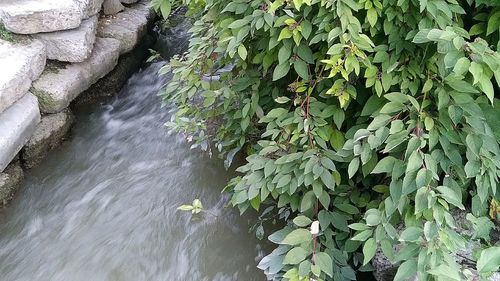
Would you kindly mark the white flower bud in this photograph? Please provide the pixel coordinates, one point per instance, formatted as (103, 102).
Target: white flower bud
(315, 227)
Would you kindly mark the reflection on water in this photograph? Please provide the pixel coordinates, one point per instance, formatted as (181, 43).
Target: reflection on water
(102, 206)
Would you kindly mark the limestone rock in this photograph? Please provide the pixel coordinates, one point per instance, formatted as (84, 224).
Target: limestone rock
(90, 7)
(112, 7)
(34, 16)
(10, 179)
(17, 125)
(113, 82)
(144, 8)
(49, 133)
(129, 1)
(73, 45)
(20, 64)
(55, 89)
(128, 26)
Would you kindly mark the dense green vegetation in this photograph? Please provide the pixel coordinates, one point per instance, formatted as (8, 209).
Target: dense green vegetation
(376, 118)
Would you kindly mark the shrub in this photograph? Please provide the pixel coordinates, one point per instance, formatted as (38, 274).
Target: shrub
(377, 118)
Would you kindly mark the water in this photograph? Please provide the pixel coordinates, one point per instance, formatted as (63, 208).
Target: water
(102, 207)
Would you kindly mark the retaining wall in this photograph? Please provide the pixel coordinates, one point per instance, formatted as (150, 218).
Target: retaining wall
(50, 56)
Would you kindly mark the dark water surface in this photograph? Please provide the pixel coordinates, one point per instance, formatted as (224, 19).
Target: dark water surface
(102, 207)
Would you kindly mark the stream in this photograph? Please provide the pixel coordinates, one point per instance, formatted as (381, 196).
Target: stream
(102, 206)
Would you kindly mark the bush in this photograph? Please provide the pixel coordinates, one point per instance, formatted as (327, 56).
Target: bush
(377, 118)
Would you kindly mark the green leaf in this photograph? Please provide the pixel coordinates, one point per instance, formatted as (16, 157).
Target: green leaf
(421, 36)
(451, 196)
(369, 249)
(165, 8)
(301, 68)
(339, 221)
(308, 201)
(353, 167)
(414, 162)
(298, 236)
(238, 23)
(406, 270)
(489, 260)
(379, 121)
(421, 199)
(348, 208)
(185, 208)
(306, 29)
(429, 123)
(363, 235)
(487, 87)
(284, 180)
(285, 33)
(304, 52)
(282, 99)
(295, 256)
(242, 52)
(423, 4)
(372, 15)
(427, 86)
(476, 70)
(384, 166)
(445, 272)
(373, 217)
(460, 85)
(281, 70)
(279, 235)
(304, 268)
(337, 139)
(315, 269)
(358, 226)
(411, 234)
(197, 204)
(387, 249)
(462, 66)
(493, 23)
(324, 261)
(284, 53)
(302, 221)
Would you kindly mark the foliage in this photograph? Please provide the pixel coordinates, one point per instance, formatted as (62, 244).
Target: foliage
(377, 118)
(5, 34)
(196, 207)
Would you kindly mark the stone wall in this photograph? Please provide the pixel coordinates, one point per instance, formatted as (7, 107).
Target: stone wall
(55, 51)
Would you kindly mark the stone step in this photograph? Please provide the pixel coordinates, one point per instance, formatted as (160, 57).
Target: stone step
(21, 63)
(89, 7)
(49, 133)
(74, 45)
(17, 125)
(58, 86)
(127, 26)
(34, 16)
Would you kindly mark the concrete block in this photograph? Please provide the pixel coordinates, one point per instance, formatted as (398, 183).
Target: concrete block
(128, 26)
(49, 133)
(17, 125)
(74, 45)
(34, 16)
(21, 63)
(55, 89)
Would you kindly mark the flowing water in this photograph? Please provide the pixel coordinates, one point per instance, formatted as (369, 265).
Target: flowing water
(102, 207)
